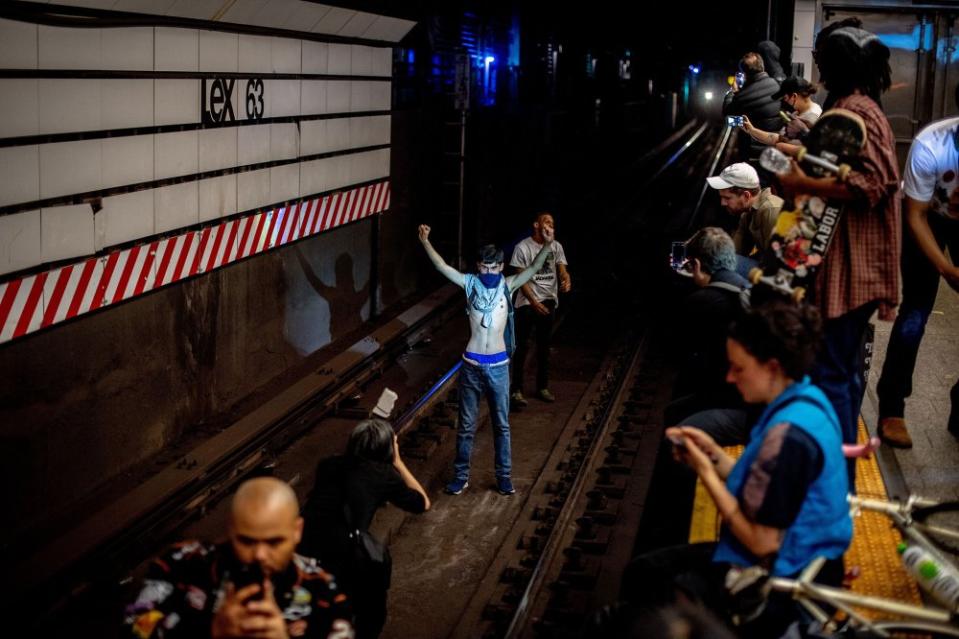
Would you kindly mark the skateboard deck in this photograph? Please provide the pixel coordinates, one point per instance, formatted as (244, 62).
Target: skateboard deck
(805, 226)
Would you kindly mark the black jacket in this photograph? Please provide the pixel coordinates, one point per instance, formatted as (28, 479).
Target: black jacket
(755, 101)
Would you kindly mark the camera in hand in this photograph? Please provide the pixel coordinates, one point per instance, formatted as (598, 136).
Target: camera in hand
(734, 120)
(248, 574)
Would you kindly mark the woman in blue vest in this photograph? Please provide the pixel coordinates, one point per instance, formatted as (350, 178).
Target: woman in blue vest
(783, 503)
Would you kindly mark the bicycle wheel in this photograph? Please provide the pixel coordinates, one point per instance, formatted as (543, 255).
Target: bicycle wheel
(941, 524)
(910, 629)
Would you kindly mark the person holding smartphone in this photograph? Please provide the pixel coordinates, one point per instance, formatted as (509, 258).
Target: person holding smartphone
(783, 502)
(253, 585)
(754, 99)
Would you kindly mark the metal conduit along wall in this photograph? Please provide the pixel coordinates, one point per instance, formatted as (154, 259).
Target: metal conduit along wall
(187, 212)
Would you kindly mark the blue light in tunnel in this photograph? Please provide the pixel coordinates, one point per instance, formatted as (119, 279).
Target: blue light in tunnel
(488, 60)
(410, 56)
(694, 68)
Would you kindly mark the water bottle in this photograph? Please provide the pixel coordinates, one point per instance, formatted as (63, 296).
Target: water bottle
(939, 579)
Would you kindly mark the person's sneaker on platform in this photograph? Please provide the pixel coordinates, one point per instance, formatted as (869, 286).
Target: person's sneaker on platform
(504, 486)
(545, 395)
(457, 486)
(517, 399)
(892, 431)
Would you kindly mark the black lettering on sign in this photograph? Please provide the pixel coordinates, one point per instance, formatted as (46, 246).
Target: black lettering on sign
(254, 99)
(218, 100)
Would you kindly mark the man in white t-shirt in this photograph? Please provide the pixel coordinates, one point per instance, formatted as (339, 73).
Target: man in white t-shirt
(931, 186)
(536, 303)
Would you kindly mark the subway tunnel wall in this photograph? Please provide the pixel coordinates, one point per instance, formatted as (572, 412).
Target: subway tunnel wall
(90, 175)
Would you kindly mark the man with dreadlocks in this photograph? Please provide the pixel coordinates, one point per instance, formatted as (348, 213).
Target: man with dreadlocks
(860, 273)
(485, 369)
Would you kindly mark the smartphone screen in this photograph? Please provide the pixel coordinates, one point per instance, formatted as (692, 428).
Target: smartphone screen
(677, 255)
(249, 574)
(734, 120)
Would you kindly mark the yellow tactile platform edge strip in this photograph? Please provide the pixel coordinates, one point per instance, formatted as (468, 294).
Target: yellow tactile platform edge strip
(874, 538)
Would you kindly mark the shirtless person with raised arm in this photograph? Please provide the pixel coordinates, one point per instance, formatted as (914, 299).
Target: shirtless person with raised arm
(485, 369)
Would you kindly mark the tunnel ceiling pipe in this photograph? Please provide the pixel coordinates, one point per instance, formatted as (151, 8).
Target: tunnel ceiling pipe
(85, 17)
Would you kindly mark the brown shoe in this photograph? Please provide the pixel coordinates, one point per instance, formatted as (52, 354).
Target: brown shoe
(892, 431)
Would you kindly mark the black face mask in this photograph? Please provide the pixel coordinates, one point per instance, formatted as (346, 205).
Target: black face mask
(788, 108)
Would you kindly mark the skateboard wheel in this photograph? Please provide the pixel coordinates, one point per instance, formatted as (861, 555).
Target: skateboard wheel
(843, 172)
(801, 154)
(755, 274)
(799, 294)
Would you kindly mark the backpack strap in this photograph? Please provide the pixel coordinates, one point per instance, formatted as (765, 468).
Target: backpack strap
(726, 286)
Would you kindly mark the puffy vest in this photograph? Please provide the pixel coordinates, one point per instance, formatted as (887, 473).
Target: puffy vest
(823, 527)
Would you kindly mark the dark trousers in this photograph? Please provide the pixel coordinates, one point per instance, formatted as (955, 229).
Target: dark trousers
(656, 578)
(839, 371)
(920, 284)
(528, 321)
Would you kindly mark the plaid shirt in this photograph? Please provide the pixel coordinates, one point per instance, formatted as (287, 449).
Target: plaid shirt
(863, 260)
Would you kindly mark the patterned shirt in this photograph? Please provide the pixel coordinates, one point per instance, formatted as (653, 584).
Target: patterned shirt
(862, 265)
(185, 587)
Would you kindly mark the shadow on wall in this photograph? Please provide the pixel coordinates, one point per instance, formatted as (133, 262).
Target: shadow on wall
(347, 305)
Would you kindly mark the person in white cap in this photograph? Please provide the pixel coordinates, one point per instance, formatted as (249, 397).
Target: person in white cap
(757, 208)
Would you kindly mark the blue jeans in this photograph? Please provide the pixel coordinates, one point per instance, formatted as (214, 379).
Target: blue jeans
(475, 382)
(920, 284)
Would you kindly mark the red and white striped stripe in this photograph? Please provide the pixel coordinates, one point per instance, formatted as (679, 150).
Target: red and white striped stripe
(37, 301)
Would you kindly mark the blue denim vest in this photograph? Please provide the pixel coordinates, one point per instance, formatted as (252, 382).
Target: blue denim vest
(823, 527)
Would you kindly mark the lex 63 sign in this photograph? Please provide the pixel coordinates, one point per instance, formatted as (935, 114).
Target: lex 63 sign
(225, 100)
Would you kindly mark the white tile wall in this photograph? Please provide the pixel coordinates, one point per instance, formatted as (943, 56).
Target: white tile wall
(18, 45)
(314, 177)
(70, 167)
(20, 168)
(381, 163)
(286, 55)
(176, 154)
(380, 129)
(218, 51)
(176, 102)
(253, 144)
(69, 105)
(252, 189)
(315, 57)
(381, 96)
(337, 134)
(361, 60)
(387, 28)
(242, 11)
(124, 218)
(177, 49)
(338, 172)
(157, 7)
(275, 13)
(381, 61)
(254, 52)
(360, 97)
(282, 98)
(340, 59)
(333, 21)
(284, 183)
(313, 137)
(357, 25)
(66, 231)
(20, 243)
(305, 16)
(127, 49)
(283, 141)
(21, 112)
(62, 48)
(126, 103)
(361, 168)
(127, 160)
(337, 96)
(217, 197)
(313, 97)
(217, 148)
(175, 206)
(360, 132)
(199, 9)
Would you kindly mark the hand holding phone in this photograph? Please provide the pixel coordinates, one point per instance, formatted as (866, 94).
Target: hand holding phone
(247, 575)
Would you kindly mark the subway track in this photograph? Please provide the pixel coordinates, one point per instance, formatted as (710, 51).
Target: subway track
(560, 543)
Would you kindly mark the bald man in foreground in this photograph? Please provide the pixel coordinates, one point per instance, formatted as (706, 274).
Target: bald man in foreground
(253, 585)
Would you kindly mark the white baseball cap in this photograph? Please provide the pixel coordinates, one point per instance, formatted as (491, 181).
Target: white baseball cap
(740, 174)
